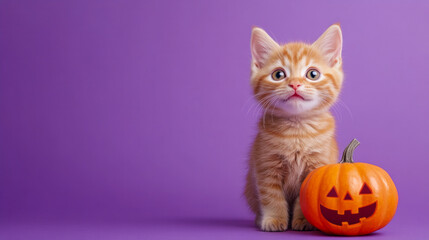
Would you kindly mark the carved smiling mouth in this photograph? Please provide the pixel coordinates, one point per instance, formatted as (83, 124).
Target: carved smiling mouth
(333, 217)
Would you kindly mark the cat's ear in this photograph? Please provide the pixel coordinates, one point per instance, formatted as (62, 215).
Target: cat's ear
(261, 46)
(330, 44)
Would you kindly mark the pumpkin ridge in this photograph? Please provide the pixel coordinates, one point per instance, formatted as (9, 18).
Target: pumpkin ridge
(322, 220)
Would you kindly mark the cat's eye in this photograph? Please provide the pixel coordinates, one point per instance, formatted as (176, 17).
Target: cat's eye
(313, 74)
(278, 75)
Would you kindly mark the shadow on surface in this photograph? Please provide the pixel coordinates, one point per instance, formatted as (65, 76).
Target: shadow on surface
(250, 225)
(243, 226)
(217, 222)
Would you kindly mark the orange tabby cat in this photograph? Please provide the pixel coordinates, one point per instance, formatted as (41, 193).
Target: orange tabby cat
(296, 84)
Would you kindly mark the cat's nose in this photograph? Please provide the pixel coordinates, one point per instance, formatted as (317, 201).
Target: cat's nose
(294, 86)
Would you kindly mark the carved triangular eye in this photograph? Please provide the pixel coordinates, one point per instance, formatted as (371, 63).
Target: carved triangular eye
(348, 197)
(365, 189)
(332, 193)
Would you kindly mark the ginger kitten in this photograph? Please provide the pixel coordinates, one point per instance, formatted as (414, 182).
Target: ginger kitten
(296, 84)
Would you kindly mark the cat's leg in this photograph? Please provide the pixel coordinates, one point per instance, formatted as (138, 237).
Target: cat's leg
(313, 161)
(299, 223)
(274, 209)
(273, 206)
(250, 193)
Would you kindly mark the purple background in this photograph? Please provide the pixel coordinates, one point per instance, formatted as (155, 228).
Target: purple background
(130, 119)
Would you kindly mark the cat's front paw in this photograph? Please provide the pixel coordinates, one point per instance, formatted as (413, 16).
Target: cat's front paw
(272, 224)
(301, 224)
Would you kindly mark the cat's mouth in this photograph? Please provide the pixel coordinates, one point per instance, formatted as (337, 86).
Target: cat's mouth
(295, 96)
(348, 217)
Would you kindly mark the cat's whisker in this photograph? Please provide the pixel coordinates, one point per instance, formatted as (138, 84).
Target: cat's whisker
(344, 105)
(262, 102)
(254, 98)
(338, 103)
(262, 106)
(333, 107)
(265, 112)
(258, 103)
(265, 108)
(275, 107)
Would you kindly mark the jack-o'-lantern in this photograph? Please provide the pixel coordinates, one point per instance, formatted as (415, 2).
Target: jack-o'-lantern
(348, 198)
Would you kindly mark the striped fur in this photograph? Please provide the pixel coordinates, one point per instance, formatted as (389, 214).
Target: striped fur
(295, 136)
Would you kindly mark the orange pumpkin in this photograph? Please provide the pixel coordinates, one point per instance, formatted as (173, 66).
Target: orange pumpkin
(348, 198)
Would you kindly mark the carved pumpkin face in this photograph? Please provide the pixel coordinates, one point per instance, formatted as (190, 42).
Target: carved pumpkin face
(347, 217)
(348, 198)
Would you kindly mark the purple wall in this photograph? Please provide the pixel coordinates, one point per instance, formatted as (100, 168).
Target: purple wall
(136, 109)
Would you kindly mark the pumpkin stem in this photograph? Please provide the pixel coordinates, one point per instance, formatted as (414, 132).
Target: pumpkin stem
(348, 152)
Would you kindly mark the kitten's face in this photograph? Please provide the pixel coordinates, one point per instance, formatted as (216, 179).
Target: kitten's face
(297, 78)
